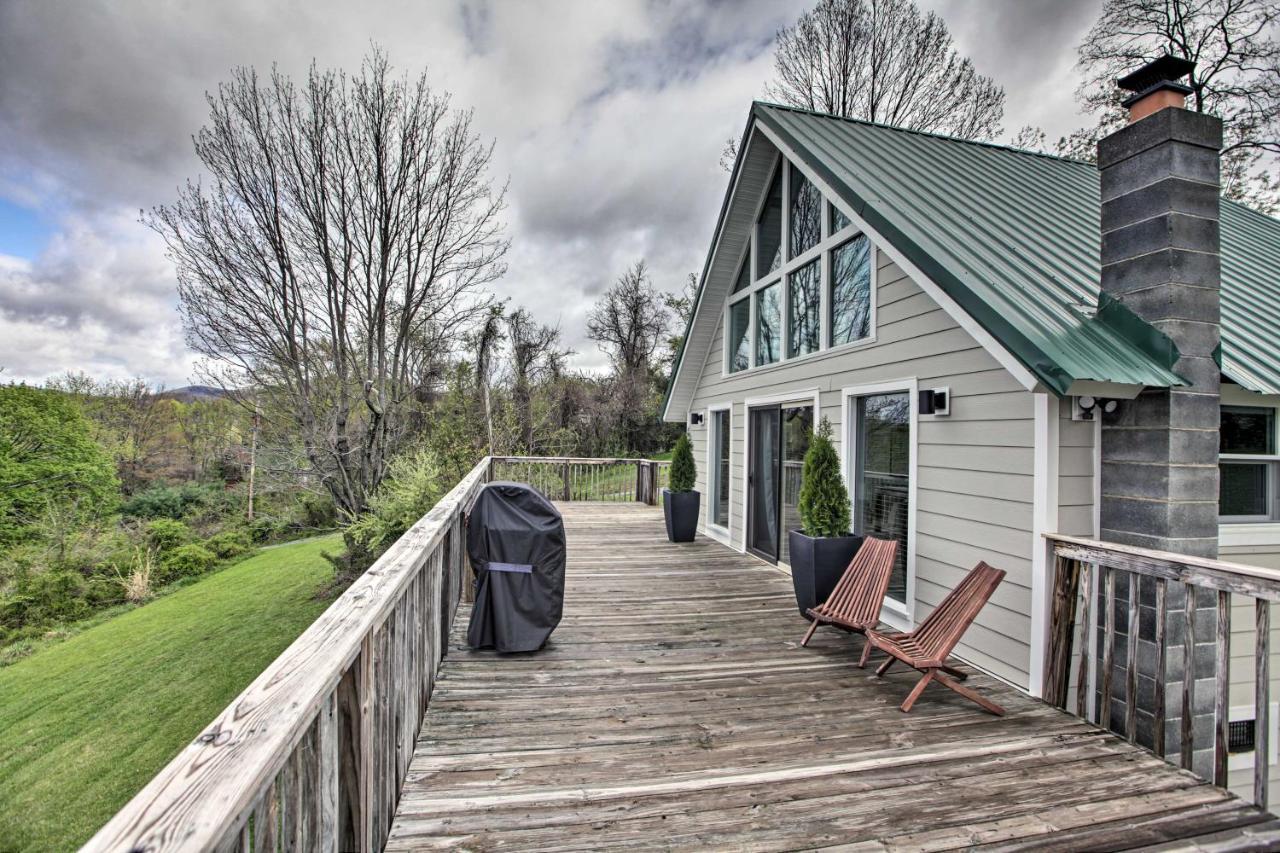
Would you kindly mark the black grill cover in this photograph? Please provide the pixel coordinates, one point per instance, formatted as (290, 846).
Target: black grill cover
(515, 539)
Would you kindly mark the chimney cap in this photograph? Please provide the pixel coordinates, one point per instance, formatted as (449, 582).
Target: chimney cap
(1161, 73)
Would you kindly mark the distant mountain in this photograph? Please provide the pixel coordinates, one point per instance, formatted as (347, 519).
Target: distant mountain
(191, 393)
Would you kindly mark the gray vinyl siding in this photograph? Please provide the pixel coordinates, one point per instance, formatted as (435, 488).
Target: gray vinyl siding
(974, 468)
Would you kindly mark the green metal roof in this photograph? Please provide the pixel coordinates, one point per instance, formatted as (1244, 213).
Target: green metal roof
(1013, 237)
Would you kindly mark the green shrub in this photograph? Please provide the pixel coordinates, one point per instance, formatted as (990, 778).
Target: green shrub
(49, 464)
(824, 501)
(683, 470)
(165, 534)
(179, 501)
(413, 485)
(229, 543)
(44, 597)
(187, 561)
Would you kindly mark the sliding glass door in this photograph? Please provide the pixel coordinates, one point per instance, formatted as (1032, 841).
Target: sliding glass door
(779, 437)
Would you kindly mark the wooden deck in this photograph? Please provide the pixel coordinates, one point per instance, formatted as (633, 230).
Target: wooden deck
(675, 709)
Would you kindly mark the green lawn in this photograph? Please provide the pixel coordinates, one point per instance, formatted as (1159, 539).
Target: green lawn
(85, 723)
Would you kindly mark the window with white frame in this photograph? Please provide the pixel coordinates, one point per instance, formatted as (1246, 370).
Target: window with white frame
(1247, 465)
(805, 283)
(720, 467)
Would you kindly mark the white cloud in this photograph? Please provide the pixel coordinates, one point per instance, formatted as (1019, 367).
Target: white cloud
(609, 120)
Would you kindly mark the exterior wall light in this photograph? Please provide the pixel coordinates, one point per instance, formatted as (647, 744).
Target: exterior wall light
(1088, 408)
(935, 401)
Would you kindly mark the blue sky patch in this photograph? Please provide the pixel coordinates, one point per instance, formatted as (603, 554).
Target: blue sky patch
(23, 232)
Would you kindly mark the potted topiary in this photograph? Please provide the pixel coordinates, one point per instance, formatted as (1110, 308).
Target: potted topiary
(823, 548)
(680, 502)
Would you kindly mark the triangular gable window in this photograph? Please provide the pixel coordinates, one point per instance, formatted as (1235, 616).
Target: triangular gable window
(806, 283)
(769, 250)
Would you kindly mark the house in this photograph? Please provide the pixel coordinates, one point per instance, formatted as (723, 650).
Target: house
(1005, 343)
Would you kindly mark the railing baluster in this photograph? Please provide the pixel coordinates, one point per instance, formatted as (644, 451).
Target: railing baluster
(1131, 661)
(327, 784)
(1262, 702)
(1158, 712)
(1087, 576)
(1222, 686)
(1108, 645)
(1187, 744)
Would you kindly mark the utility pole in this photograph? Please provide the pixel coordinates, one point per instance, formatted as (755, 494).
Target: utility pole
(253, 456)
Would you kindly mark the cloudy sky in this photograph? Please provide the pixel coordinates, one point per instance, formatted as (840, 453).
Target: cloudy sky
(608, 116)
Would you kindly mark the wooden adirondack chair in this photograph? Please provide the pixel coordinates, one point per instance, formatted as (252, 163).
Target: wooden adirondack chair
(926, 648)
(854, 604)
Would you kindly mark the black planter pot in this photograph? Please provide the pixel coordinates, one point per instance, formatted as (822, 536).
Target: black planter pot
(817, 564)
(681, 511)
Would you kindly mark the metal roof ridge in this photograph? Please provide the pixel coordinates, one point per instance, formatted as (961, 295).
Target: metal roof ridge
(998, 146)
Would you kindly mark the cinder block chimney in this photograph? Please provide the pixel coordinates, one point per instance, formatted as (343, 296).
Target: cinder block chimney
(1160, 257)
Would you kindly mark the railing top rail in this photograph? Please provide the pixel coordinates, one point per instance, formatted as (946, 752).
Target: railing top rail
(1202, 571)
(577, 460)
(213, 782)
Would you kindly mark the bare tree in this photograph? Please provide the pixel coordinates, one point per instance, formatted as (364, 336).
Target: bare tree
(343, 241)
(1235, 45)
(883, 61)
(535, 356)
(630, 323)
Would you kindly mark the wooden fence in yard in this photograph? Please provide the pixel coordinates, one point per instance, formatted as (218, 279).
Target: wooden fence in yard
(1085, 597)
(313, 753)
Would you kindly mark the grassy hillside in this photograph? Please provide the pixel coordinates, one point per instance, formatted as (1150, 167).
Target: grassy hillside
(84, 724)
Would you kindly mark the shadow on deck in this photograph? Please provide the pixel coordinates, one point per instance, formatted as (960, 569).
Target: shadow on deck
(674, 708)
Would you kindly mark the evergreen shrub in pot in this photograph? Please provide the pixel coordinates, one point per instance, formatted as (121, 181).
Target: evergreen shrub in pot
(823, 547)
(680, 502)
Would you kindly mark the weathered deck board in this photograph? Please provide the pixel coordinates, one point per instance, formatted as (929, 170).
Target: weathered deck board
(675, 709)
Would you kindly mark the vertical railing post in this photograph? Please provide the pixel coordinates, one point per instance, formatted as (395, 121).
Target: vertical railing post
(1261, 702)
(1062, 612)
(1222, 687)
(653, 483)
(564, 474)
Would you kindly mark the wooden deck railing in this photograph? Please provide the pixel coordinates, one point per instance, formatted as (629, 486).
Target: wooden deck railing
(313, 753)
(1086, 576)
(585, 479)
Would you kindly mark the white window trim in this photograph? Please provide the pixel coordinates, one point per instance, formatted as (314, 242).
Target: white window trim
(821, 253)
(899, 615)
(1261, 530)
(717, 531)
(799, 396)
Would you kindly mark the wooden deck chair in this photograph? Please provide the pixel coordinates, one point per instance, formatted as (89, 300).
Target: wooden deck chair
(854, 604)
(926, 648)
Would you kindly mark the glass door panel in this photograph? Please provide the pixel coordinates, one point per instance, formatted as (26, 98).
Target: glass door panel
(882, 476)
(762, 481)
(797, 429)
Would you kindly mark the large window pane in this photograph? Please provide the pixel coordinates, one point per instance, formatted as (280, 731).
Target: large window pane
(851, 291)
(739, 342)
(1247, 429)
(1242, 489)
(806, 214)
(804, 295)
(769, 250)
(797, 430)
(720, 476)
(744, 273)
(838, 219)
(882, 490)
(768, 324)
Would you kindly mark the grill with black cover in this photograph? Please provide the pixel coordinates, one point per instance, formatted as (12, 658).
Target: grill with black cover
(515, 540)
